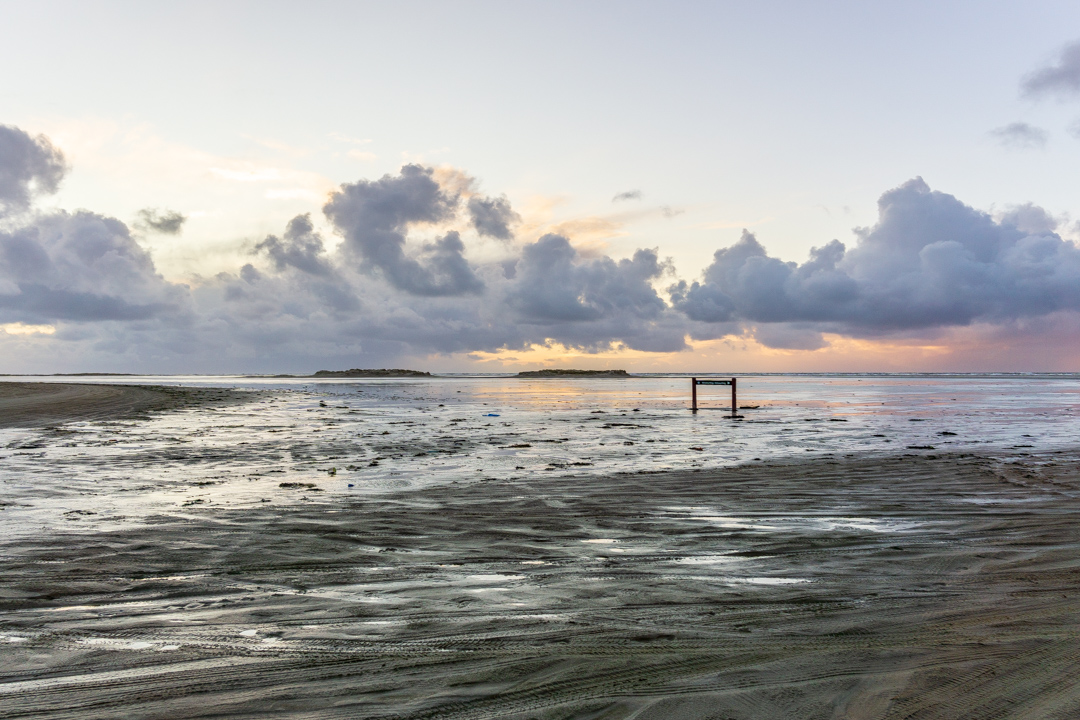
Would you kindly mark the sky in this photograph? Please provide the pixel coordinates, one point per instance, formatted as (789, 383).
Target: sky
(490, 186)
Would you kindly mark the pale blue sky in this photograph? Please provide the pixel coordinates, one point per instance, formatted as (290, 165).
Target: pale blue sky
(790, 118)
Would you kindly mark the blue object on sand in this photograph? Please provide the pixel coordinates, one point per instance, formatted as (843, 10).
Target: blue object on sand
(492, 415)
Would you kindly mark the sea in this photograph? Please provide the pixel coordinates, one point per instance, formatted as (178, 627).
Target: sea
(303, 440)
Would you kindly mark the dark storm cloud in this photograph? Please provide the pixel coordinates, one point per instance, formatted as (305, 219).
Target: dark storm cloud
(80, 267)
(375, 216)
(929, 262)
(1062, 78)
(166, 222)
(628, 195)
(28, 166)
(493, 216)
(1020, 135)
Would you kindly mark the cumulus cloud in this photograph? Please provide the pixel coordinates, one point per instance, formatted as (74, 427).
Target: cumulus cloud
(493, 216)
(929, 262)
(166, 222)
(80, 267)
(628, 195)
(552, 287)
(402, 283)
(554, 295)
(399, 284)
(28, 166)
(1020, 135)
(593, 302)
(300, 247)
(1029, 218)
(375, 217)
(304, 281)
(1061, 78)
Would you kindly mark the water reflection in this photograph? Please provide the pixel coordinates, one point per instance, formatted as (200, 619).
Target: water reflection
(304, 441)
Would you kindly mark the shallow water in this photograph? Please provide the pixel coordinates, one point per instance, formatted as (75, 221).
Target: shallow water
(325, 438)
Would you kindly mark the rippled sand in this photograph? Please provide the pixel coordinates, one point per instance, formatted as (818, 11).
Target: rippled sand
(827, 589)
(919, 585)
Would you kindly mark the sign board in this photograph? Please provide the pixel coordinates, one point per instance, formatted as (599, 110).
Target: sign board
(694, 382)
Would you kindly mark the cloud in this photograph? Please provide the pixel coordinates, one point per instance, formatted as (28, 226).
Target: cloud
(307, 281)
(301, 248)
(362, 155)
(167, 222)
(1062, 78)
(375, 217)
(789, 336)
(552, 295)
(29, 166)
(493, 216)
(404, 284)
(552, 287)
(278, 146)
(24, 329)
(340, 137)
(80, 267)
(628, 195)
(1020, 135)
(248, 174)
(400, 283)
(1029, 218)
(929, 262)
(593, 302)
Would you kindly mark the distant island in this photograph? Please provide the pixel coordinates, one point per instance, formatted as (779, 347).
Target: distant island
(551, 373)
(357, 372)
(90, 374)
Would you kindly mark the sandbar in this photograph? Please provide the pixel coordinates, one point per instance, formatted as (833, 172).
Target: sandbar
(35, 404)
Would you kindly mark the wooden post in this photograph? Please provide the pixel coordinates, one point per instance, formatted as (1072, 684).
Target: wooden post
(734, 406)
(693, 394)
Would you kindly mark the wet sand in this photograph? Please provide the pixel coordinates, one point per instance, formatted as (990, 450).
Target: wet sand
(908, 587)
(35, 404)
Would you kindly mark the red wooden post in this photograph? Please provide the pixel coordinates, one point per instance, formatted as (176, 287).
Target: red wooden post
(734, 406)
(693, 394)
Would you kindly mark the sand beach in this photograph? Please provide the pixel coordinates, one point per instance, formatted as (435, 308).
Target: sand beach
(33, 404)
(907, 585)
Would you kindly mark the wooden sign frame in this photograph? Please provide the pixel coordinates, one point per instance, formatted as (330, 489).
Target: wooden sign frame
(694, 382)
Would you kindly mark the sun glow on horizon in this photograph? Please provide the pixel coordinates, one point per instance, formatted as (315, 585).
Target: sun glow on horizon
(19, 328)
(743, 353)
